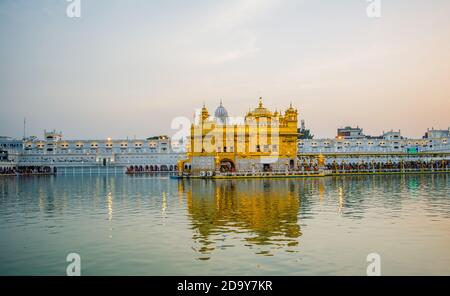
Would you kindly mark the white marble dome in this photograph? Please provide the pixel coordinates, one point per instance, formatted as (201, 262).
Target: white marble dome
(221, 114)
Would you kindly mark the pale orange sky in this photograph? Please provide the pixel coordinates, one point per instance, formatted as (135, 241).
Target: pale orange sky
(128, 68)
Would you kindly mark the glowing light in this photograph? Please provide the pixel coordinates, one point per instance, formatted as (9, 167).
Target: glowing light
(110, 206)
(341, 199)
(164, 204)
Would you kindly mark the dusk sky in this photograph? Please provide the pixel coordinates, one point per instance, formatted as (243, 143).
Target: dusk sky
(128, 68)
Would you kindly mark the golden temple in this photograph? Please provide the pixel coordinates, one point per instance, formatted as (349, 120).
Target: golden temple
(265, 141)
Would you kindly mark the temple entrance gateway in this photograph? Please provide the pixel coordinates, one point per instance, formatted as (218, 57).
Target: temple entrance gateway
(267, 167)
(291, 164)
(227, 166)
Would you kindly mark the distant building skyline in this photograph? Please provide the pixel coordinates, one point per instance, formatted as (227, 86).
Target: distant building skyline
(341, 133)
(128, 68)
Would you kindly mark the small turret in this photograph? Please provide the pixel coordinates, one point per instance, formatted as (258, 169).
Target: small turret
(205, 113)
(291, 113)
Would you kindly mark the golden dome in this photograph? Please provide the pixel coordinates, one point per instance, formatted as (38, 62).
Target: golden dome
(260, 111)
(205, 113)
(291, 109)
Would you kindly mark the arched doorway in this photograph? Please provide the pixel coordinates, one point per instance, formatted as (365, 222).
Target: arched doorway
(226, 166)
(291, 164)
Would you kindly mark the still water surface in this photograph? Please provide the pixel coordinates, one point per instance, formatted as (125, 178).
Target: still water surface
(152, 225)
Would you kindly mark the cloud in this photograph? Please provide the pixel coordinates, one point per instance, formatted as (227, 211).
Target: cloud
(224, 34)
(247, 50)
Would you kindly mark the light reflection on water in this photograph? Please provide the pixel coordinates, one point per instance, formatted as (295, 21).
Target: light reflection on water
(247, 211)
(154, 225)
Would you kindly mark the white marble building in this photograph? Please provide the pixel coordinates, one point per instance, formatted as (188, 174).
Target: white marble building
(159, 153)
(391, 146)
(153, 154)
(391, 141)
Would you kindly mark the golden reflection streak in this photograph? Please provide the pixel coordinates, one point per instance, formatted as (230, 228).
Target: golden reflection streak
(341, 199)
(321, 190)
(164, 204)
(110, 206)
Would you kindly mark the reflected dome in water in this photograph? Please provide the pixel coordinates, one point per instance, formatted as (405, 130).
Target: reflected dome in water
(267, 217)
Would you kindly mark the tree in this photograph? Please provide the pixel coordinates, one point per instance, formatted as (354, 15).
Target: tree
(305, 134)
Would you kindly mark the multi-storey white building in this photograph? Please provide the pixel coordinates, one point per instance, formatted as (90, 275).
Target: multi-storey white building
(10, 144)
(350, 133)
(152, 154)
(11, 149)
(436, 134)
(390, 144)
(160, 154)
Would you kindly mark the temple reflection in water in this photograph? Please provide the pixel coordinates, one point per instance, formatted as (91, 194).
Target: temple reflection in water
(269, 215)
(262, 213)
(262, 227)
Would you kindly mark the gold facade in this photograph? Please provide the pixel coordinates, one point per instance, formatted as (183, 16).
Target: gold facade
(264, 141)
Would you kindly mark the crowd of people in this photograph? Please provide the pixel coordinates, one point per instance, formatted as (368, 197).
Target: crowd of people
(26, 170)
(334, 167)
(150, 169)
(390, 166)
